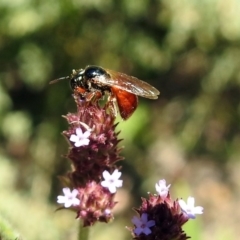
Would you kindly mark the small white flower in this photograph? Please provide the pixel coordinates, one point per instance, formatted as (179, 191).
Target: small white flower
(69, 199)
(142, 224)
(189, 209)
(111, 181)
(80, 139)
(162, 189)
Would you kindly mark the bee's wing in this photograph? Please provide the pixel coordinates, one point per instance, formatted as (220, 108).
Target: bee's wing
(129, 84)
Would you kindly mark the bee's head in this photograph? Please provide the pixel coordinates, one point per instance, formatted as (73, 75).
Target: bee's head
(77, 79)
(83, 78)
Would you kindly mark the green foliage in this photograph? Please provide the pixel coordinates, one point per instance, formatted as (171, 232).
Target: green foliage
(6, 231)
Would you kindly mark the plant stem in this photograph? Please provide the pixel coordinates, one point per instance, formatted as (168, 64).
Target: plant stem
(83, 233)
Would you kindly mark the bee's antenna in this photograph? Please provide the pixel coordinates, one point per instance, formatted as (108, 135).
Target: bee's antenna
(59, 79)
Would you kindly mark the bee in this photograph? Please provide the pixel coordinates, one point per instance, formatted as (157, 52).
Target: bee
(94, 82)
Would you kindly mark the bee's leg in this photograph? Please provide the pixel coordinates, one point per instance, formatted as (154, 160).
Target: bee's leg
(96, 96)
(90, 96)
(111, 106)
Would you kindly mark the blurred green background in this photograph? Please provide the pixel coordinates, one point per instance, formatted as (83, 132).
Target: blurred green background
(188, 49)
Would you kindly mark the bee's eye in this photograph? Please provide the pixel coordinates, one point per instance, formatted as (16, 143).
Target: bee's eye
(74, 83)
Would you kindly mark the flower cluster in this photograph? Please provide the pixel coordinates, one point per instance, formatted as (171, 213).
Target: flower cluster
(91, 185)
(160, 217)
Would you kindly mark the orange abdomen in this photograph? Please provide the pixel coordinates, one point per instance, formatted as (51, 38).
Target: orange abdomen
(127, 102)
